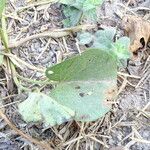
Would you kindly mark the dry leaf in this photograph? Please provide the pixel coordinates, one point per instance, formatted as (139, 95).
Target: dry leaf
(138, 30)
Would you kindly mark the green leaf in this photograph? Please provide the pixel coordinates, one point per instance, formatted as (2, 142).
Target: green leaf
(2, 6)
(89, 65)
(73, 16)
(3, 25)
(121, 48)
(86, 9)
(85, 38)
(95, 2)
(84, 87)
(40, 107)
(104, 38)
(91, 4)
(87, 99)
(88, 6)
(66, 22)
(91, 15)
(78, 4)
(66, 2)
(84, 83)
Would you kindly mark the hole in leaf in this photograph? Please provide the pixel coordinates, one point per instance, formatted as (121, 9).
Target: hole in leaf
(82, 94)
(142, 41)
(135, 54)
(84, 117)
(77, 87)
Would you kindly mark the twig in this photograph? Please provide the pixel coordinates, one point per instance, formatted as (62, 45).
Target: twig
(29, 138)
(56, 33)
(127, 75)
(6, 105)
(34, 81)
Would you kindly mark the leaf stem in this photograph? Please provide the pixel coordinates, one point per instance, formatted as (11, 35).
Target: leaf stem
(46, 81)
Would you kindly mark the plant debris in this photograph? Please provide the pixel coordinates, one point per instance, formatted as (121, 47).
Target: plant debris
(138, 30)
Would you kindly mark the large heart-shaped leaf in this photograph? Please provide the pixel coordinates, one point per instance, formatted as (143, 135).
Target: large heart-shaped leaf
(86, 82)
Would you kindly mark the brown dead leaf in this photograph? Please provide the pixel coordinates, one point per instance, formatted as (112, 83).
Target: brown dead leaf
(138, 30)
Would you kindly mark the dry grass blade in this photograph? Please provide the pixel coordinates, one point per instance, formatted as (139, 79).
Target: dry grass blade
(100, 142)
(72, 141)
(14, 57)
(81, 130)
(3, 106)
(122, 86)
(143, 80)
(143, 110)
(140, 140)
(8, 97)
